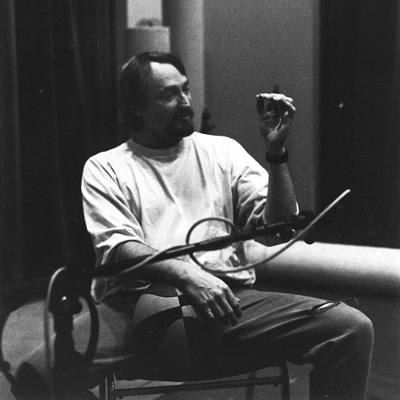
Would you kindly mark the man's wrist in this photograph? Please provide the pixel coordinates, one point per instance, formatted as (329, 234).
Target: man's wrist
(277, 159)
(275, 150)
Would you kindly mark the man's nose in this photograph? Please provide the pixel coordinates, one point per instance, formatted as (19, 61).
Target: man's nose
(184, 99)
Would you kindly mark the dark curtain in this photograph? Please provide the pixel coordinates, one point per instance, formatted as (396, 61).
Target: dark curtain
(58, 102)
(360, 125)
(11, 227)
(392, 152)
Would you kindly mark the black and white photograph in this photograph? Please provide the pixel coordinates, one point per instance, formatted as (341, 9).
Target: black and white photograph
(200, 199)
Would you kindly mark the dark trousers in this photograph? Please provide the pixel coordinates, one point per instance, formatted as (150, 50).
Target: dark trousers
(167, 336)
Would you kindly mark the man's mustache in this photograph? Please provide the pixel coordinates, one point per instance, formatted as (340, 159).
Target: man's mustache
(184, 112)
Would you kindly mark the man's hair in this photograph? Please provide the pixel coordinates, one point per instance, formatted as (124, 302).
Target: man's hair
(132, 84)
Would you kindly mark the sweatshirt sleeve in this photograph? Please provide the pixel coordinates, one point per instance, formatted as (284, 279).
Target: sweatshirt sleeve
(107, 213)
(249, 186)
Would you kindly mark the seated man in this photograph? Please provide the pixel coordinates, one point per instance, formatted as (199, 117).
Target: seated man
(144, 195)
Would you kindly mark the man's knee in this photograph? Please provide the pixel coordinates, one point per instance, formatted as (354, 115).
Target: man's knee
(363, 330)
(355, 329)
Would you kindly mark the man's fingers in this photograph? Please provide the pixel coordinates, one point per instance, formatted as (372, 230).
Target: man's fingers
(209, 314)
(227, 311)
(219, 312)
(273, 102)
(273, 97)
(275, 111)
(231, 308)
(235, 304)
(214, 299)
(277, 97)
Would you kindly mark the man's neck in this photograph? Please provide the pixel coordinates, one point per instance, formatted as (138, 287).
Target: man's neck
(158, 142)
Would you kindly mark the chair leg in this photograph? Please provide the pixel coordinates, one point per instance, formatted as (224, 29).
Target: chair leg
(250, 389)
(285, 391)
(105, 388)
(102, 390)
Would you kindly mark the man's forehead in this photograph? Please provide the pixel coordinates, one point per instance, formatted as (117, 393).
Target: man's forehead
(165, 74)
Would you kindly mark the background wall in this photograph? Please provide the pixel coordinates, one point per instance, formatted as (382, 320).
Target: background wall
(251, 48)
(139, 9)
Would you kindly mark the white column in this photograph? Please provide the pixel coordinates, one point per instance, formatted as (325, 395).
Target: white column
(147, 38)
(185, 18)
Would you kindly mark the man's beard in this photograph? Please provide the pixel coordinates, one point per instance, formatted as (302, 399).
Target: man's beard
(180, 126)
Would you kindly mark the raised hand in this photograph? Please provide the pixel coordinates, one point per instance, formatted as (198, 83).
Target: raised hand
(275, 114)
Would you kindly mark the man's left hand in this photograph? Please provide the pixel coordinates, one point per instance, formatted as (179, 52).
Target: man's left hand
(275, 113)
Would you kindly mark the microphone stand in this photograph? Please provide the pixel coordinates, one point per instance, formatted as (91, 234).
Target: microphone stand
(71, 369)
(285, 229)
(64, 290)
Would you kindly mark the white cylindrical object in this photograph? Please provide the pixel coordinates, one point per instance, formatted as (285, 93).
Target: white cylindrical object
(334, 268)
(185, 18)
(147, 38)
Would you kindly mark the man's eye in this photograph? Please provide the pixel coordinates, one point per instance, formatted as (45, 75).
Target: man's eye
(166, 95)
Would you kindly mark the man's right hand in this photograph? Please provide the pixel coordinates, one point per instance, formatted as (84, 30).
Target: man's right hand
(208, 293)
(213, 297)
